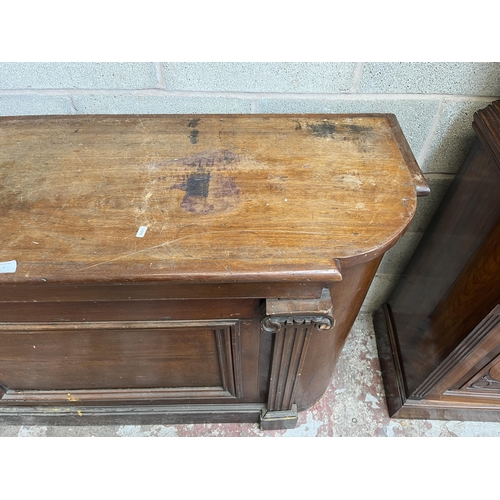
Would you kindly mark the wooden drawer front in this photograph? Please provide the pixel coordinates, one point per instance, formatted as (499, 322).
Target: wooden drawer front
(131, 360)
(128, 310)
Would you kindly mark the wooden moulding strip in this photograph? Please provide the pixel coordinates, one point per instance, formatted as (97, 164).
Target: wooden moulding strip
(102, 395)
(421, 186)
(132, 414)
(390, 360)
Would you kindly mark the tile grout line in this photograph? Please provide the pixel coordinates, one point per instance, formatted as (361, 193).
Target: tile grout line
(358, 72)
(74, 111)
(424, 151)
(162, 84)
(249, 95)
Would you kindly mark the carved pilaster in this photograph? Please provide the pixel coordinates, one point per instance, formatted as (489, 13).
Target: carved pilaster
(292, 322)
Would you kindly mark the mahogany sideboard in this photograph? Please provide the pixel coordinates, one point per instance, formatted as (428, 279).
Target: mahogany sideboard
(439, 334)
(189, 268)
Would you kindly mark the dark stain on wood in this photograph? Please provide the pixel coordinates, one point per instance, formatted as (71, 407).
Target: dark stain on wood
(327, 130)
(356, 129)
(197, 205)
(193, 136)
(197, 187)
(194, 123)
(324, 129)
(198, 184)
(207, 159)
(208, 191)
(227, 187)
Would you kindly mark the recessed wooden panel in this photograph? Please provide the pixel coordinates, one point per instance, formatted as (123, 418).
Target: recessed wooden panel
(128, 355)
(467, 361)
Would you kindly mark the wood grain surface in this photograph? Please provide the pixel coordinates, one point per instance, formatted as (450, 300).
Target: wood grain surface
(226, 198)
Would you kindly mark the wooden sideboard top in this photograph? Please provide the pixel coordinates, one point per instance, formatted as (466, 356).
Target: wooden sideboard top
(221, 198)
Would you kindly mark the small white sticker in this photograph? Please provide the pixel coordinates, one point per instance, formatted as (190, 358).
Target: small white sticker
(8, 267)
(142, 231)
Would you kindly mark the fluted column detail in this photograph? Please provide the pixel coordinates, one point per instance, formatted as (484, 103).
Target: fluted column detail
(292, 333)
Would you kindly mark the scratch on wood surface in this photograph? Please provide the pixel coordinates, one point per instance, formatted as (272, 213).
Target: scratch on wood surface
(170, 242)
(154, 247)
(77, 157)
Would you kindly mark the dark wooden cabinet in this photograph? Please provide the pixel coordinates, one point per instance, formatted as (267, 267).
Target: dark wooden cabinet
(439, 334)
(189, 268)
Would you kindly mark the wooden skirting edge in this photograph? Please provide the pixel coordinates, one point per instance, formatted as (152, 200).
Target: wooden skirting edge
(390, 363)
(447, 410)
(131, 414)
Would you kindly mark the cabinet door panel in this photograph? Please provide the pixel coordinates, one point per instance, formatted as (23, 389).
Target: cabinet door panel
(139, 360)
(464, 373)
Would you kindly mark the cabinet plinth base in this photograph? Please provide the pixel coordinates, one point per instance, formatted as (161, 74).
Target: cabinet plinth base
(279, 419)
(452, 405)
(131, 414)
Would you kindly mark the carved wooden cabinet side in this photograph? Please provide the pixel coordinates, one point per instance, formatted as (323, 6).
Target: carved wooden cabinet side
(438, 335)
(189, 268)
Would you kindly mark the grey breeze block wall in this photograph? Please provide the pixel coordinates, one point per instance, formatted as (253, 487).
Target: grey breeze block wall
(434, 103)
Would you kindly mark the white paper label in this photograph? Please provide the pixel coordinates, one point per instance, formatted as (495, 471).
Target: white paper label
(8, 267)
(142, 231)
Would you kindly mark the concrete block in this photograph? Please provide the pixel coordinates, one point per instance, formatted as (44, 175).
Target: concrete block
(380, 290)
(396, 258)
(427, 205)
(472, 78)
(453, 138)
(150, 104)
(414, 116)
(17, 105)
(316, 77)
(96, 75)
